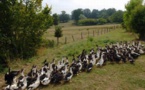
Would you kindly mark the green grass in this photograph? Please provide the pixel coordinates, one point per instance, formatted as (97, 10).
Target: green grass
(109, 77)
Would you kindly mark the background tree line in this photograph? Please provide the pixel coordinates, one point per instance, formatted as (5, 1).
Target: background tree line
(88, 17)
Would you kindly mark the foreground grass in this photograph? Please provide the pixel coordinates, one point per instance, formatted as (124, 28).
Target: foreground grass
(109, 77)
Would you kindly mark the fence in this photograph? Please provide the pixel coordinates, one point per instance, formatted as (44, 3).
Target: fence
(80, 34)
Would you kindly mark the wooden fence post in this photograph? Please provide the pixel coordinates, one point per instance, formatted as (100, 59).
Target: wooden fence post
(93, 33)
(88, 33)
(73, 38)
(81, 35)
(65, 40)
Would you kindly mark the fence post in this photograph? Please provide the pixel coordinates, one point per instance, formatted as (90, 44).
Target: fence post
(88, 33)
(73, 38)
(81, 35)
(93, 33)
(65, 40)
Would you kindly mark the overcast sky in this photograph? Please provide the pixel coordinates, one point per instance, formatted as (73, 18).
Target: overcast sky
(69, 5)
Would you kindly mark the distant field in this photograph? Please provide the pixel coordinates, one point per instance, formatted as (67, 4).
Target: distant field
(69, 30)
(110, 77)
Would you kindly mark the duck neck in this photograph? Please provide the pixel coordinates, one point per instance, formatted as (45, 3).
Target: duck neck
(38, 77)
(71, 70)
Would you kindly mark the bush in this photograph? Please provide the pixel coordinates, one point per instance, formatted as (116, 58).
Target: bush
(51, 43)
(48, 43)
(91, 39)
(87, 22)
(101, 21)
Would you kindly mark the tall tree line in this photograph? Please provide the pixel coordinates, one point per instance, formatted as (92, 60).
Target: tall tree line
(111, 15)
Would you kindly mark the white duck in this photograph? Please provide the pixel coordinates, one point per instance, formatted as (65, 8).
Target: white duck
(101, 61)
(59, 65)
(69, 75)
(35, 84)
(23, 85)
(65, 70)
(90, 66)
(46, 80)
(13, 86)
(141, 51)
(98, 54)
(93, 59)
(80, 65)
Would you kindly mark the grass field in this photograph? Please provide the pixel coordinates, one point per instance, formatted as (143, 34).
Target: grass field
(110, 77)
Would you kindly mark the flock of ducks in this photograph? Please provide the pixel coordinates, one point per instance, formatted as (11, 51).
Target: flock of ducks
(63, 70)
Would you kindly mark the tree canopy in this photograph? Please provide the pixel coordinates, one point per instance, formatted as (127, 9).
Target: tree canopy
(134, 17)
(58, 33)
(55, 19)
(22, 24)
(75, 15)
(64, 17)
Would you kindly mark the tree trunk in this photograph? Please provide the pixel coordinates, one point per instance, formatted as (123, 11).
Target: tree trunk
(57, 41)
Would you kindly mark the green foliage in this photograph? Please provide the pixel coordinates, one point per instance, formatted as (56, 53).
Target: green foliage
(48, 43)
(51, 43)
(95, 14)
(58, 33)
(127, 14)
(87, 13)
(82, 17)
(101, 21)
(110, 15)
(63, 17)
(87, 22)
(117, 17)
(55, 19)
(91, 39)
(134, 17)
(137, 21)
(75, 15)
(106, 41)
(22, 24)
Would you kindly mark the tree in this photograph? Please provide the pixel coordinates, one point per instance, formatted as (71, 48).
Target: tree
(94, 14)
(101, 21)
(55, 19)
(103, 13)
(82, 17)
(22, 24)
(137, 21)
(127, 14)
(63, 17)
(117, 17)
(111, 11)
(134, 17)
(75, 15)
(87, 22)
(58, 33)
(87, 13)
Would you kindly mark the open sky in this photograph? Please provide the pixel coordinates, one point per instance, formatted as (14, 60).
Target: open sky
(70, 5)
